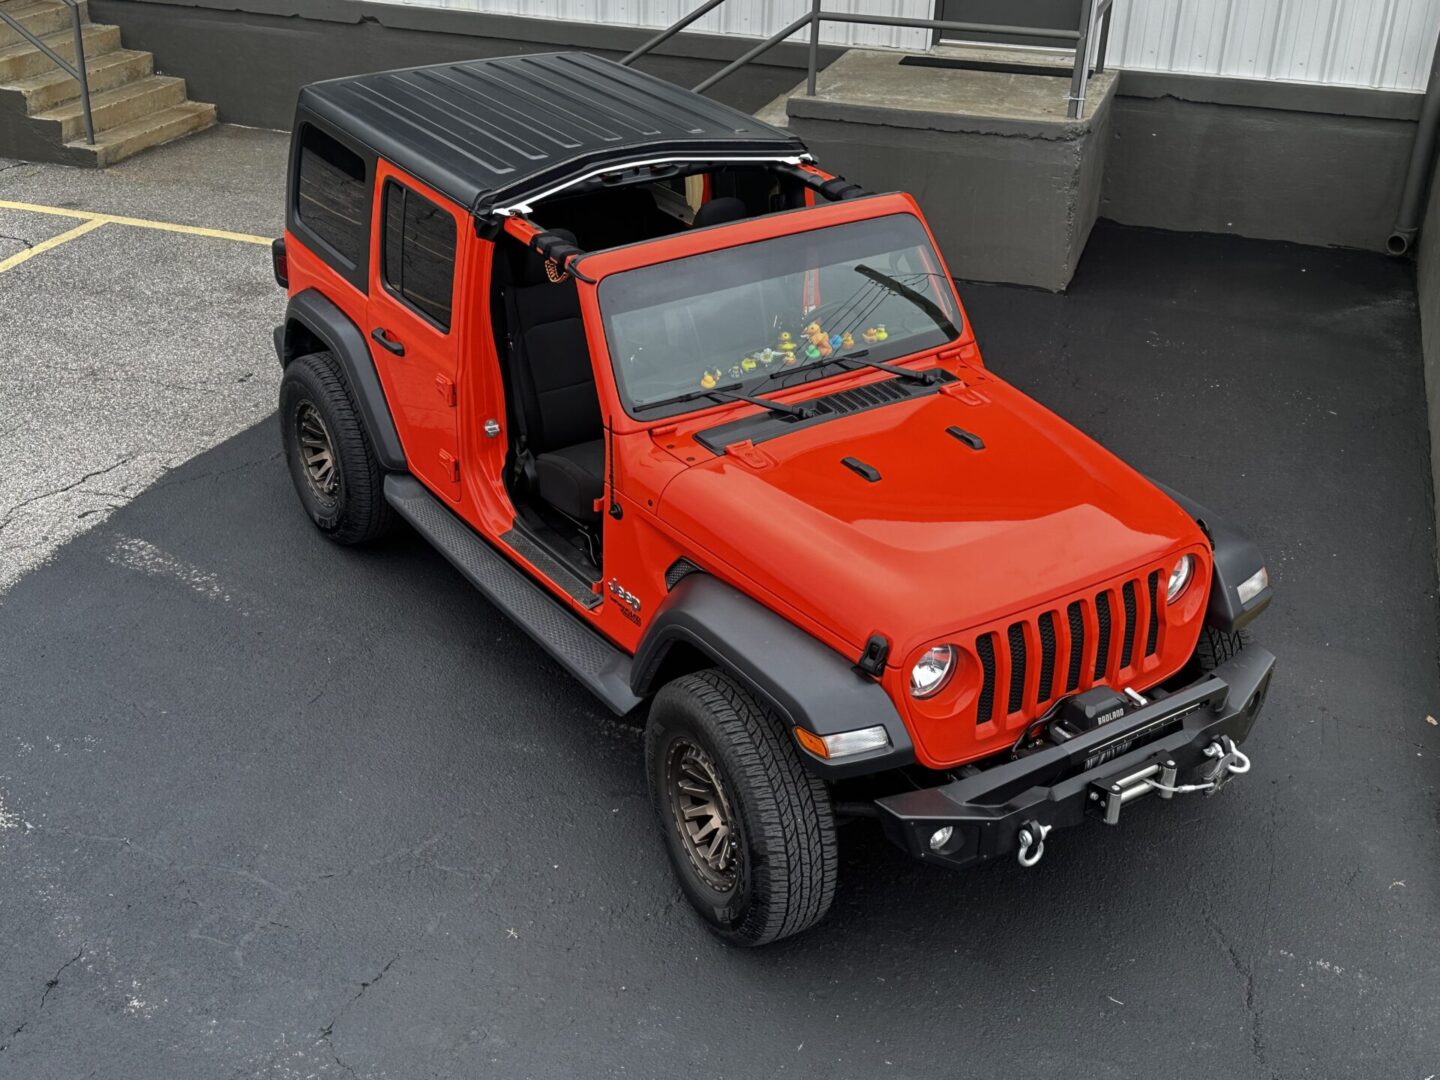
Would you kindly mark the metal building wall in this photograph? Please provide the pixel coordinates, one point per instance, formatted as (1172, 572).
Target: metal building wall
(1377, 43)
(750, 18)
(1385, 44)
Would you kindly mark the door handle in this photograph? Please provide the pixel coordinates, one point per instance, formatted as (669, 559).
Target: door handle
(387, 342)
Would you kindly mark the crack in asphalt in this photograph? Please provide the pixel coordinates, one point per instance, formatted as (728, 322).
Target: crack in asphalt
(1252, 1010)
(326, 1031)
(54, 980)
(50, 984)
(18, 239)
(10, 513)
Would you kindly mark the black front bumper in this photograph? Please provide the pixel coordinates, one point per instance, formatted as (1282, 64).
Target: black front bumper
(1084, 777)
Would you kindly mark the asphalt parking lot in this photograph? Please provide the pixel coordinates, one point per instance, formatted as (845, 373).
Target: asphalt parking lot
(273, 809)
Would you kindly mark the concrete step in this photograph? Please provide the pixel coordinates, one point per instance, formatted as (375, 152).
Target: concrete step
(40, 17)
(105, 72)
(23, 60)
(116, 107)
(119, 143)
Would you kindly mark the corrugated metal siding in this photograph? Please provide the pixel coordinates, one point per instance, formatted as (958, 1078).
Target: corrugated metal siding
(1378, 43)
(751, 18)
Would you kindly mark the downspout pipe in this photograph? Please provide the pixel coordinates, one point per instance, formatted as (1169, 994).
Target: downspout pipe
(1422, 158)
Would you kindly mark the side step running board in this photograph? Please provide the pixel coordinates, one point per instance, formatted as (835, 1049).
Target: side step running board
(604, 669)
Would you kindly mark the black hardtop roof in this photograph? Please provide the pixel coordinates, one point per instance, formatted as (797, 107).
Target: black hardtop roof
(493, 133)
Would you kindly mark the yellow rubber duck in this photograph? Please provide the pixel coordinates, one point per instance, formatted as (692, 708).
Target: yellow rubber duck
(847, 340)
(749, 364)
(709, 380)
(787, 343)
(880, 332)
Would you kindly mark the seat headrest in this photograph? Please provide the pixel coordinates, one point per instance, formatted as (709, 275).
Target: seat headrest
(532, 264)
(720, 212)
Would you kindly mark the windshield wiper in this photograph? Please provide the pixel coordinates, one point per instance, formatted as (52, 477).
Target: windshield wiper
(927, 376)
(919, 299)
(731, 393)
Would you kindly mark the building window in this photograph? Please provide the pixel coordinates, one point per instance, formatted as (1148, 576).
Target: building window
(331, 197)
(418, 252)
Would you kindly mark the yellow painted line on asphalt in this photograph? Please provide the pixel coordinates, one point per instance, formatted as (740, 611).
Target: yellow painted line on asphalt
(53, 242)
(133, 222)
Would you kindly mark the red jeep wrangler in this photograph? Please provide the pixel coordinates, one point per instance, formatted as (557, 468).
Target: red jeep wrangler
(711, 425)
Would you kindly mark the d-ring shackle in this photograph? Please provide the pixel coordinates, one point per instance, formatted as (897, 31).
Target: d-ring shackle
(1032, 843)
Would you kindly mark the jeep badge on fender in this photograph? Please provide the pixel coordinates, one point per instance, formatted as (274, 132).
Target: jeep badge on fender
(616, 332)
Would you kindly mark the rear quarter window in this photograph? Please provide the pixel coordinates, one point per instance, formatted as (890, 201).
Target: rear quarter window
(332, 195)
(417, 253)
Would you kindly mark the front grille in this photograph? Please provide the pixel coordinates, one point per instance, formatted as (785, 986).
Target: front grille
(1047, 656)
(1102, 644)
(985, 649)
(1127, 646)
(1075, 613)
(1063, 634)
(1154, 631)
(1016, 634)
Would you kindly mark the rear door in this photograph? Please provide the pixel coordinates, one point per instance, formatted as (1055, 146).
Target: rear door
(413, 336)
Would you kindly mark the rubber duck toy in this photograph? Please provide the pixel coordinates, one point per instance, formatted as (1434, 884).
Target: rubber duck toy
(787, 343)
(812, 351)
(847, 340)
(811, 330)
(736, 371)
(836, 340)
(880, 333)
(789, 358)
(869, 336)
(767, 357)
(709, 380)
(749, 364)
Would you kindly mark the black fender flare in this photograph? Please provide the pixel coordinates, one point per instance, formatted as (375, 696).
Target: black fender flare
(322, 318)
(809, 684)
(1236, 559)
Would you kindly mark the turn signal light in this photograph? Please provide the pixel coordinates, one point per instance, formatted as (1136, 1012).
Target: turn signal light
(844, 743)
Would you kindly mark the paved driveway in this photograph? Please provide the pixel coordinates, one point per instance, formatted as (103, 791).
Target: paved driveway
(272, 809)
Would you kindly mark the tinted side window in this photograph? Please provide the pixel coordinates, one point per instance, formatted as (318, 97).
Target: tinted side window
(418, 252)
(331, 196)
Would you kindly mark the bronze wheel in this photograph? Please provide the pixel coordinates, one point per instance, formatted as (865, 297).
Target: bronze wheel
(700, 807)
(317, 453)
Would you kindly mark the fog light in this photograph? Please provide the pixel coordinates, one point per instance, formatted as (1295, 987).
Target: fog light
(845, 743)
(1254, 585)
(940, 837)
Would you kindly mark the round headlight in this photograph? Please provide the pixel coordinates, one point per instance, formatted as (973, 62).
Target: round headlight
(1180, 577)
(932, 671)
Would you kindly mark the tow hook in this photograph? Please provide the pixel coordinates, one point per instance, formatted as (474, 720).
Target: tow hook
(1226, 761)
(1032, 843)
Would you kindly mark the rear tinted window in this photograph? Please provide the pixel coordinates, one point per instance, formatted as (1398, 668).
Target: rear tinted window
(418, 252)
(331, 196)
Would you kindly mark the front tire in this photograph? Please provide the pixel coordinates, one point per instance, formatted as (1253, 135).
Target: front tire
(1216, 647)
(750, 831)
(336, 475)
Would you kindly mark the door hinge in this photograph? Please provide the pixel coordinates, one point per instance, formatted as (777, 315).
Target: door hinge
(451, 464)
(446, 389)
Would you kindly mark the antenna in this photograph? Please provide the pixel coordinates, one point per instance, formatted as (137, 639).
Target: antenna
(615, 510)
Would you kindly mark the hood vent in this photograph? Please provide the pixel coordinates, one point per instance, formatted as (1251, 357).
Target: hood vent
(860, 398)
(857, 399)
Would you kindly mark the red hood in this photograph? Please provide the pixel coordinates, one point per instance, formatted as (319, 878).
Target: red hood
(948, 538)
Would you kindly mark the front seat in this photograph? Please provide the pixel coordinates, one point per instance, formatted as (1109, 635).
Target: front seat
(554, 389)
(720, 211)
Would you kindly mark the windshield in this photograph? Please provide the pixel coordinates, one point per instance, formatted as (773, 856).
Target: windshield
(747, 317)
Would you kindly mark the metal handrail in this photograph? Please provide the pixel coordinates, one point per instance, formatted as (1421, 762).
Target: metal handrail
(76, 71)
(1092, 12)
